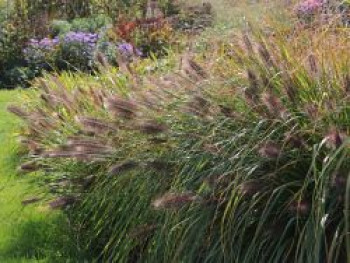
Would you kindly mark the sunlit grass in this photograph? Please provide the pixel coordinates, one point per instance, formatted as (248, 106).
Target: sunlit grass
(27, 234)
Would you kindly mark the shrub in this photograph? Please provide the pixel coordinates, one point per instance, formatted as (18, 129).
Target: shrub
(41, 53)
(90, 24)
(109, 51)
(11, 44)
(77, 51)
(60, 27)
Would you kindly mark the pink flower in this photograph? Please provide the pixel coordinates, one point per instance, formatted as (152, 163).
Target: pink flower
(308, 7)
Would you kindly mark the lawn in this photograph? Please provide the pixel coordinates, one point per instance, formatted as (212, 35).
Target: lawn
(29, 233)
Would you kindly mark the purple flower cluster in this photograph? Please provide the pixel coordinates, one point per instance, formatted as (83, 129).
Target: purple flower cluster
(308, 7)
(128, 50)
(89, 39)
(43, 44)
(38, 51)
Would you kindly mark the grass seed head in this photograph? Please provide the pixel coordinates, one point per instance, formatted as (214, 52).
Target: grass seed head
(95, 125)
(121, 107)
(152, 127)
(251, 188)
(29, 167)
(334, 139)
(62, 202)
(174, 200)
(270, 150)
(339, 181)
(266, 55)
(274, 105)
(31, 200)
(301, 208)
(18, 111)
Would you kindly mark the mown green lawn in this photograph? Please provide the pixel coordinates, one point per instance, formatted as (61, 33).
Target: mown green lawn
(31, 233)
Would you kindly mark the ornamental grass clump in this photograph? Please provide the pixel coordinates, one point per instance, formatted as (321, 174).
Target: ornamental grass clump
(246, 159)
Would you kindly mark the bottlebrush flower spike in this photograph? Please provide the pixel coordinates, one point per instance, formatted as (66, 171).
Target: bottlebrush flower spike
(346, 86)
(252, 92)
(143, 231)
(198, 106)
(31, 200)
(192, 69)
(339, 181)
(197, 68)
(270, 150)
(250, 188)
(295, 140)
(94, 125)
(29, 167)
(312, 111)
(302, 207)
(62, 202)
(92, 149)
(274, 105)
(266, 55)
(313, 64)
(248, 43)
(174, 200)
(102, 59)
(158, 165)
(18, 111)
(33, 146)
(121, 107)
(122, 167)
(152, 127)
(334, 139)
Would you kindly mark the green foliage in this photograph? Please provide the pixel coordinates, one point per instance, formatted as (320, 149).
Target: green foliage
(90, 24)
(60, 27)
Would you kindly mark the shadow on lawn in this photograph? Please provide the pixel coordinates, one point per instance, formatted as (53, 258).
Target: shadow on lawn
(42, 239)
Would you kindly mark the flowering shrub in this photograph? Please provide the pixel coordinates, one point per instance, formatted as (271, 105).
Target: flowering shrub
(77, 50)
(39, 53)
(307, 9)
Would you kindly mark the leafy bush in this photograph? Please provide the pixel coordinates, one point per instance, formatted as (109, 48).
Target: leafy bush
(91, 24)
(41, 53)
(77, 50)
(11, 42)
(249, 161)
(60, 27)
